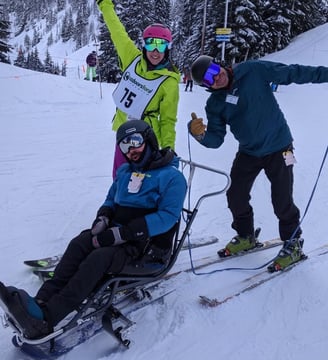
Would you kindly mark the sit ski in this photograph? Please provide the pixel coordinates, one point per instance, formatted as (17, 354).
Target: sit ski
(107, 307)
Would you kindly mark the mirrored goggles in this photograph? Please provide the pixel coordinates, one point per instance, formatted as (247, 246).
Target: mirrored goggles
(131, 141)
(154, 43)
(213, 70)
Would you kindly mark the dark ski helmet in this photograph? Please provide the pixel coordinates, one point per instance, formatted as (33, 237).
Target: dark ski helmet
(137, 126)
(199, 67)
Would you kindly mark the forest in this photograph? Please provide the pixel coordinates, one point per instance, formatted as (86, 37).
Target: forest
(258, 27)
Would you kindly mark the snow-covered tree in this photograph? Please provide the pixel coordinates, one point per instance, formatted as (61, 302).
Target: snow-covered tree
(20, 60)
(5, 48)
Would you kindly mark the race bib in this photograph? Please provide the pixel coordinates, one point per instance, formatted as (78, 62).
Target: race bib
(133, 93)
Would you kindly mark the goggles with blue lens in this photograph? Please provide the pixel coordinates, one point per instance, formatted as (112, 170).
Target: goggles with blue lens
(131, 141)
(155, 43)
(213, 70)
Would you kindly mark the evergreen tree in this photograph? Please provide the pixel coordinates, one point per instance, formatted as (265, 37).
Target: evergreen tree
(63, 71)
(306, 15)
(51, 19)
(246, 37)
(50, 40)
(179, 30)
(48, 63)
(258, 27)
(81, 23)
(20, 60)
(27, 42)
(36, 37)
(162, 11)
(67, 26)
(5, 48)
(61, 4)
(108, 61)
(33, 61)
(195, 42)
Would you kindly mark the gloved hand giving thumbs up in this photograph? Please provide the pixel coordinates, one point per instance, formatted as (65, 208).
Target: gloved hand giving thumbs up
(196, 127)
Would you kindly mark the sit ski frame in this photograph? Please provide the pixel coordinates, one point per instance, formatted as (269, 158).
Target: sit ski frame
(100, 305)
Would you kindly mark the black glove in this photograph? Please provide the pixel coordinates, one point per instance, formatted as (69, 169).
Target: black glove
(106, 211)
(104, 217)
(99, 225)
(136, 230)
(109, 237)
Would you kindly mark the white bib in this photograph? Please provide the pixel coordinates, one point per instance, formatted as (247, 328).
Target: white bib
(133, 93)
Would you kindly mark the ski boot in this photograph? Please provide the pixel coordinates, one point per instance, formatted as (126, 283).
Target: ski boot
(240, 244)
(290, 253)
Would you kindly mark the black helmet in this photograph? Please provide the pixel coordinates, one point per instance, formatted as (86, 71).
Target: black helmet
(137, 126)
(199, 67)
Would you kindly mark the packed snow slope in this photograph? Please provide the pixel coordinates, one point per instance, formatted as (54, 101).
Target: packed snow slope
(56, 154)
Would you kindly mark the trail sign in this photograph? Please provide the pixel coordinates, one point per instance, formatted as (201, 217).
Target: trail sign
(223, 31)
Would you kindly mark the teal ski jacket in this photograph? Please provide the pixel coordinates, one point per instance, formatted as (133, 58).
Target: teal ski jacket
(250, 108)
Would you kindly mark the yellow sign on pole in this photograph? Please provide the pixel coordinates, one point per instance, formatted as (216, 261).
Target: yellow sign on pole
(223, 31)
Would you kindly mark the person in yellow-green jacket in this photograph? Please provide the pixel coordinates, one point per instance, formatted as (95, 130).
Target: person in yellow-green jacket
(149, 88)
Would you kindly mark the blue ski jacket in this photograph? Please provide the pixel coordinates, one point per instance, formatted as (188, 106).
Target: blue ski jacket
(163, 189)
(250, 108)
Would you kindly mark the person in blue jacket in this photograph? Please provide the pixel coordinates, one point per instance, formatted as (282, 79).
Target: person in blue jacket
(138, 219)
(241, 98)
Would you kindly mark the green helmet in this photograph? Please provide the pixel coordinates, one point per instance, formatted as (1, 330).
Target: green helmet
(199, 67)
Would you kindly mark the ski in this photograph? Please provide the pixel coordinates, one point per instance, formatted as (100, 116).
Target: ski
(47, 273)
(257, 280)
(252, 283)
(199, 242)
(116, 323)
(44, 275)
(199, 263)
(44, 263)
(52, 261)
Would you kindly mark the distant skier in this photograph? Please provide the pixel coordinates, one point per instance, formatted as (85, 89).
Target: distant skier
(91, 61)
(242, 99)
(189, 80)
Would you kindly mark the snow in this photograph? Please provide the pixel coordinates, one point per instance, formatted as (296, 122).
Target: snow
(56, 154)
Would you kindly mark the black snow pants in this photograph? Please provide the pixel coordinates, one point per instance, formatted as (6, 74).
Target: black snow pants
(80, 269)
(244, 171)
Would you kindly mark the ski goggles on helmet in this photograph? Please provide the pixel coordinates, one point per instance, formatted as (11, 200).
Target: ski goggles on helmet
(155, 43)
(213, 70)
(131, 141)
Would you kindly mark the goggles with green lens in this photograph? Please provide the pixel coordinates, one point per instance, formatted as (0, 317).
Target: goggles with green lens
(155, 43)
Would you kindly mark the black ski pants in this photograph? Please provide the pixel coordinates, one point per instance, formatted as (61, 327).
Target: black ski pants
(80, 269)
(243, 173)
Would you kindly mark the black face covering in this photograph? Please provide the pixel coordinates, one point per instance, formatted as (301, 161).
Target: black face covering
(144, 160)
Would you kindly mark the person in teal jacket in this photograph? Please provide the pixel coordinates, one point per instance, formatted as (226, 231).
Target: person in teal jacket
(149, 88)
(242, 99)
(138, 220)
